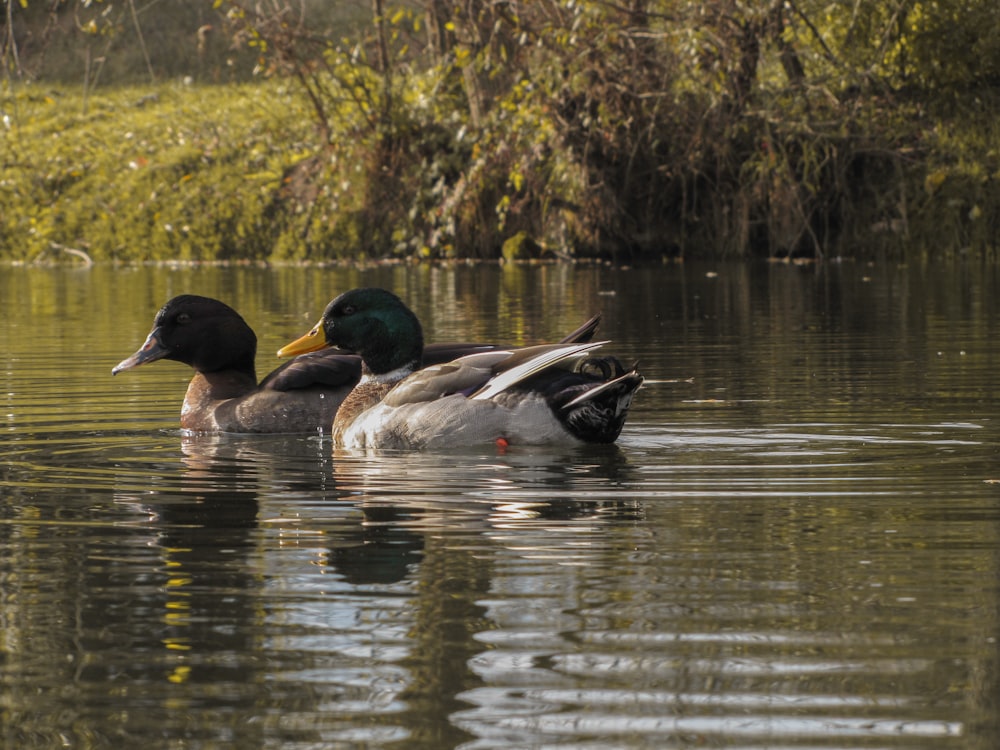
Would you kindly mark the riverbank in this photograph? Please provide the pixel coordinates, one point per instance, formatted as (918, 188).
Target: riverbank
(171, 171)
(197, 173)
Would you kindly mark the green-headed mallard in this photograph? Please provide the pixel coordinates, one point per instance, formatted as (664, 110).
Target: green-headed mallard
(550, 394)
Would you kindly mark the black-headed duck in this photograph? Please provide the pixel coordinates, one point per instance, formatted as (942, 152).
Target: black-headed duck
(550, 394)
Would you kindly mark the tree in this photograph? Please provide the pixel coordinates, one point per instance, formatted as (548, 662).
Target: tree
(450, 127)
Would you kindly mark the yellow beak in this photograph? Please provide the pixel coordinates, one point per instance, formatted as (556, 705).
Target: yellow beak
(311, 342)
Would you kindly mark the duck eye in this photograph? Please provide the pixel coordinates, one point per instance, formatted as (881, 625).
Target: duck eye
(348, 310)
(184, 318)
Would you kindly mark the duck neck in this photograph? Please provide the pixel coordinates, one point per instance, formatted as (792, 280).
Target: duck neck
(223, 371)
(206, 391)
(393, 354)
(222, 384)
(390, 377)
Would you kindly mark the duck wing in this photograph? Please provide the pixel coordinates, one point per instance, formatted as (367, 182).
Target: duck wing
(328, 368)
(485, 374)
(524, 363)
(463, 375)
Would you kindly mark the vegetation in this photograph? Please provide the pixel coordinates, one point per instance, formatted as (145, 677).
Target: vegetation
(446, 128)
(170, 172)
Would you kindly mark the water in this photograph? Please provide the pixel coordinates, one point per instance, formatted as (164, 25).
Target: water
(793, 545)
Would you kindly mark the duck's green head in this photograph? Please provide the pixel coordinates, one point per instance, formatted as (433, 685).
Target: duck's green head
(371, 322)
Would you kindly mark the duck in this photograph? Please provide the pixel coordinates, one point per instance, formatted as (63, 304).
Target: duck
(550, 394)
(299, 396)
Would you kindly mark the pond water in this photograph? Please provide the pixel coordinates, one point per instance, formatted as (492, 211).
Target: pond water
(794, 544)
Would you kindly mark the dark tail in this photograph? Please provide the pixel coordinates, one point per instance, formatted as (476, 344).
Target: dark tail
(596, 412)
(584, 333)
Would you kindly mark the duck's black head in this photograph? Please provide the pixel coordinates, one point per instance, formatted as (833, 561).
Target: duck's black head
(201, 332)
(371, 322)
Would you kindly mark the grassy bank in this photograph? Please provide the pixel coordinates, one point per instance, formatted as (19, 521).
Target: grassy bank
(174, 171)
(238, 172)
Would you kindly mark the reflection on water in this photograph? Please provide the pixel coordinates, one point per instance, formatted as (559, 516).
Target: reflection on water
(793, 544)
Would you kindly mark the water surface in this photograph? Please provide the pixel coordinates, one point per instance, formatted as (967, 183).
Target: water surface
(793, 544)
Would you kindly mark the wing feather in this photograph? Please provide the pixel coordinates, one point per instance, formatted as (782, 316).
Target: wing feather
(541, 358)
(462, 375)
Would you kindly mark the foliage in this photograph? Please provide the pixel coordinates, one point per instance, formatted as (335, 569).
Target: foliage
(129, 42)
(650, 127)
(175, 172)
(446, 128)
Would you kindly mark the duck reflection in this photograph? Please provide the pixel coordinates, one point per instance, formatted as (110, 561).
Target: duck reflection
(475, 491)
(300, 580)
(379, 550)
(366, 545)
(467, 511)
(197, 623)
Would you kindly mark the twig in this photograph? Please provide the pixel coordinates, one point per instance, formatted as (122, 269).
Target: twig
(142, 41)
(87, 260)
